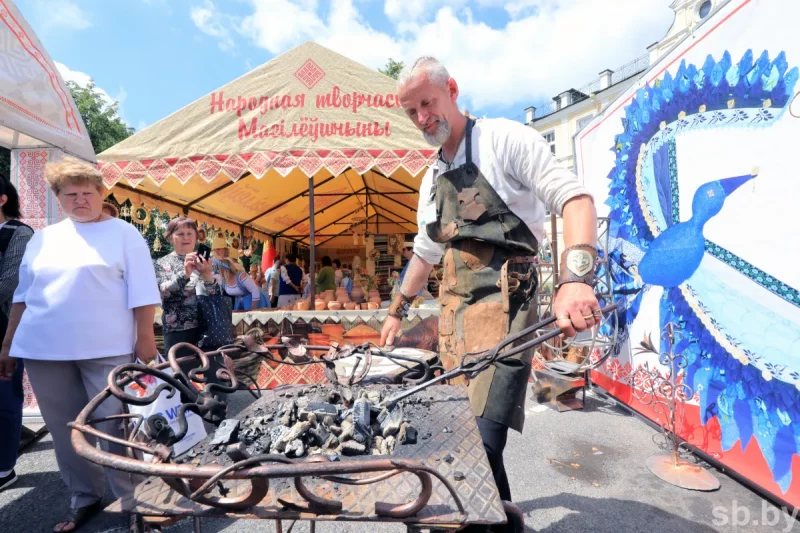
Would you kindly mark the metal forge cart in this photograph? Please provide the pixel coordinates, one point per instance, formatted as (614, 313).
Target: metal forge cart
(443, 481)
(439, 479)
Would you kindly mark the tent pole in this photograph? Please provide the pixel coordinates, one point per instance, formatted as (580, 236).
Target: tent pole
(313, 255)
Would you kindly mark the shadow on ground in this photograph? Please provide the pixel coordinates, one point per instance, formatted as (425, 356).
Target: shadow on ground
(601, 515)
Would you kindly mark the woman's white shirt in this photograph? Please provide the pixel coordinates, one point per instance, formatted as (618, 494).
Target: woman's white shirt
(80, 283)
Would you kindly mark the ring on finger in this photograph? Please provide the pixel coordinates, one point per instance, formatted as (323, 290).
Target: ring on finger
(588, 317)
(562, 317)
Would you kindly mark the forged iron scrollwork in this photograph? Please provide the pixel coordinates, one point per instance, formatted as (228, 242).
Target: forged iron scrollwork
(202, 396)
(203, 401)
(664, 392)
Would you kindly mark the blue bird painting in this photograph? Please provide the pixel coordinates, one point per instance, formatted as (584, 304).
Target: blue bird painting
(745, 378)
(675, 255)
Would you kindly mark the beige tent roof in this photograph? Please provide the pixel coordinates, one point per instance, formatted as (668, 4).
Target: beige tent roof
(244, 152)
(36, 109)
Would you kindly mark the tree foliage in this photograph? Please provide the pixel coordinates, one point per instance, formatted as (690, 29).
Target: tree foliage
(392, 69)
(102, 122)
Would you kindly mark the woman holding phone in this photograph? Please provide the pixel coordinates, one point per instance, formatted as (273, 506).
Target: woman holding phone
(179, 275)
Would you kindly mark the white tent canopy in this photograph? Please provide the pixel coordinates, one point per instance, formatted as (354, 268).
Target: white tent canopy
(36, 109)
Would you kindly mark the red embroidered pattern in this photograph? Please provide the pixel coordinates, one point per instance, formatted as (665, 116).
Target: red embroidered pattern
(309, 74)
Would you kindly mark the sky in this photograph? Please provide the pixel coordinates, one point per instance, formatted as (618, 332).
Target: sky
(156, 56)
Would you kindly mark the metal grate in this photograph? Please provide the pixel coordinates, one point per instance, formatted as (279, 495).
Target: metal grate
(450, 408)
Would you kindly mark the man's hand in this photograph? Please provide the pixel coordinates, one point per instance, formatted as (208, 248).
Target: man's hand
(7, 365)
(145, 348)
(576, 308)
(391, 327)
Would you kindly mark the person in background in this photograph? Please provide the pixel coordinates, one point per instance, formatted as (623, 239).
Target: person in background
(326, 276)
(85, 304)
(273, 281)
(14, 237)
(219, 247)
(241, 286)
(338, 274)
(291, 280)
(245, 257)
(179, 275)
(256, 275)
(408, 253)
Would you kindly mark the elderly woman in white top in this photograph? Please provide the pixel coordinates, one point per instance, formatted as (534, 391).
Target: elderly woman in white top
(85, 304)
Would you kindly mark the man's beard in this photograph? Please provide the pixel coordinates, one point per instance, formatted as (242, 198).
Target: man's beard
(440, 137)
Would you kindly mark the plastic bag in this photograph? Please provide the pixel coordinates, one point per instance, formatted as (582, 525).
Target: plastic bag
(168, 408)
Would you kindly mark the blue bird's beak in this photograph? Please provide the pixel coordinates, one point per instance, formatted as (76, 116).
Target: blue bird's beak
(731, 184)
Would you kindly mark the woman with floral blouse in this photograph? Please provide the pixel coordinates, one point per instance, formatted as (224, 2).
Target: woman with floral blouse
(180, 274)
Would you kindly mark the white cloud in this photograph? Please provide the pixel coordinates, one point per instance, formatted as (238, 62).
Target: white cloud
(83, 79)
(211, 22)
(545, 47)
(60, 14)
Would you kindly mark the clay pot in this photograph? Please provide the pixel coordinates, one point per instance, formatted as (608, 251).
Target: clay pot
(372, 306)
(320, 305)
(357, 293)
(341, 291)
(318, 339)
(342, 298)
(350, 306)
(302, 305)
(334, 306)
(373, 293)
(328, 295)
(376, 301)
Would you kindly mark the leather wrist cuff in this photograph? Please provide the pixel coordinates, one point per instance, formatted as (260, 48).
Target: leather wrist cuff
(400, 306)
(578, 265)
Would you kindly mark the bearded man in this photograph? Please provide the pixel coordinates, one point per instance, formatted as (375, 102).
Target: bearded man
(482, 208)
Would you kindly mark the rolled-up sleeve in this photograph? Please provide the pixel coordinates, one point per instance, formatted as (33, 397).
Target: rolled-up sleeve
(424, 246)
(529, 159)
(140, 274)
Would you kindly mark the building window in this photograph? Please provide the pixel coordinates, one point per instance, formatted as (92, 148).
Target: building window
(582, 122)
(704, 9)
(550, 137)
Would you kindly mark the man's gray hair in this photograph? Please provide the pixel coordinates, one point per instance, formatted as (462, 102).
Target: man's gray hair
(437, 73)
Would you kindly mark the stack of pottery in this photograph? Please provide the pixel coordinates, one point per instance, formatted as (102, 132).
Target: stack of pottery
(357, 293)
(302, 304)
(374, 299)
(343, 299)
(320, 304)
(328, 296)
(341, 295)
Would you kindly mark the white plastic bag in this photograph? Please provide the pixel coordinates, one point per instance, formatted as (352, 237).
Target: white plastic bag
(168, 408)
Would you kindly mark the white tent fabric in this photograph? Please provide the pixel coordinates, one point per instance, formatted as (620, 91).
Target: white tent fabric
(36, 109)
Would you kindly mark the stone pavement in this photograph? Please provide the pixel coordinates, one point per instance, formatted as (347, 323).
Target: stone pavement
(574, 471)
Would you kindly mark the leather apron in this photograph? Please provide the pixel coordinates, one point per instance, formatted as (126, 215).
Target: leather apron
(487, 288)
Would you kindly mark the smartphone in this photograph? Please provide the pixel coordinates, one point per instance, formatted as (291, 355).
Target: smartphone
(204, 251)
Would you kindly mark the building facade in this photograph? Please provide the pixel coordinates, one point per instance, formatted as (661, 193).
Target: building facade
(570, 111)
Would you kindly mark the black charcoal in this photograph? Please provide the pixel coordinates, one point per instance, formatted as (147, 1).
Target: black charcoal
(320, 409)
(390, 421)
(361, 419)
(227, 432)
